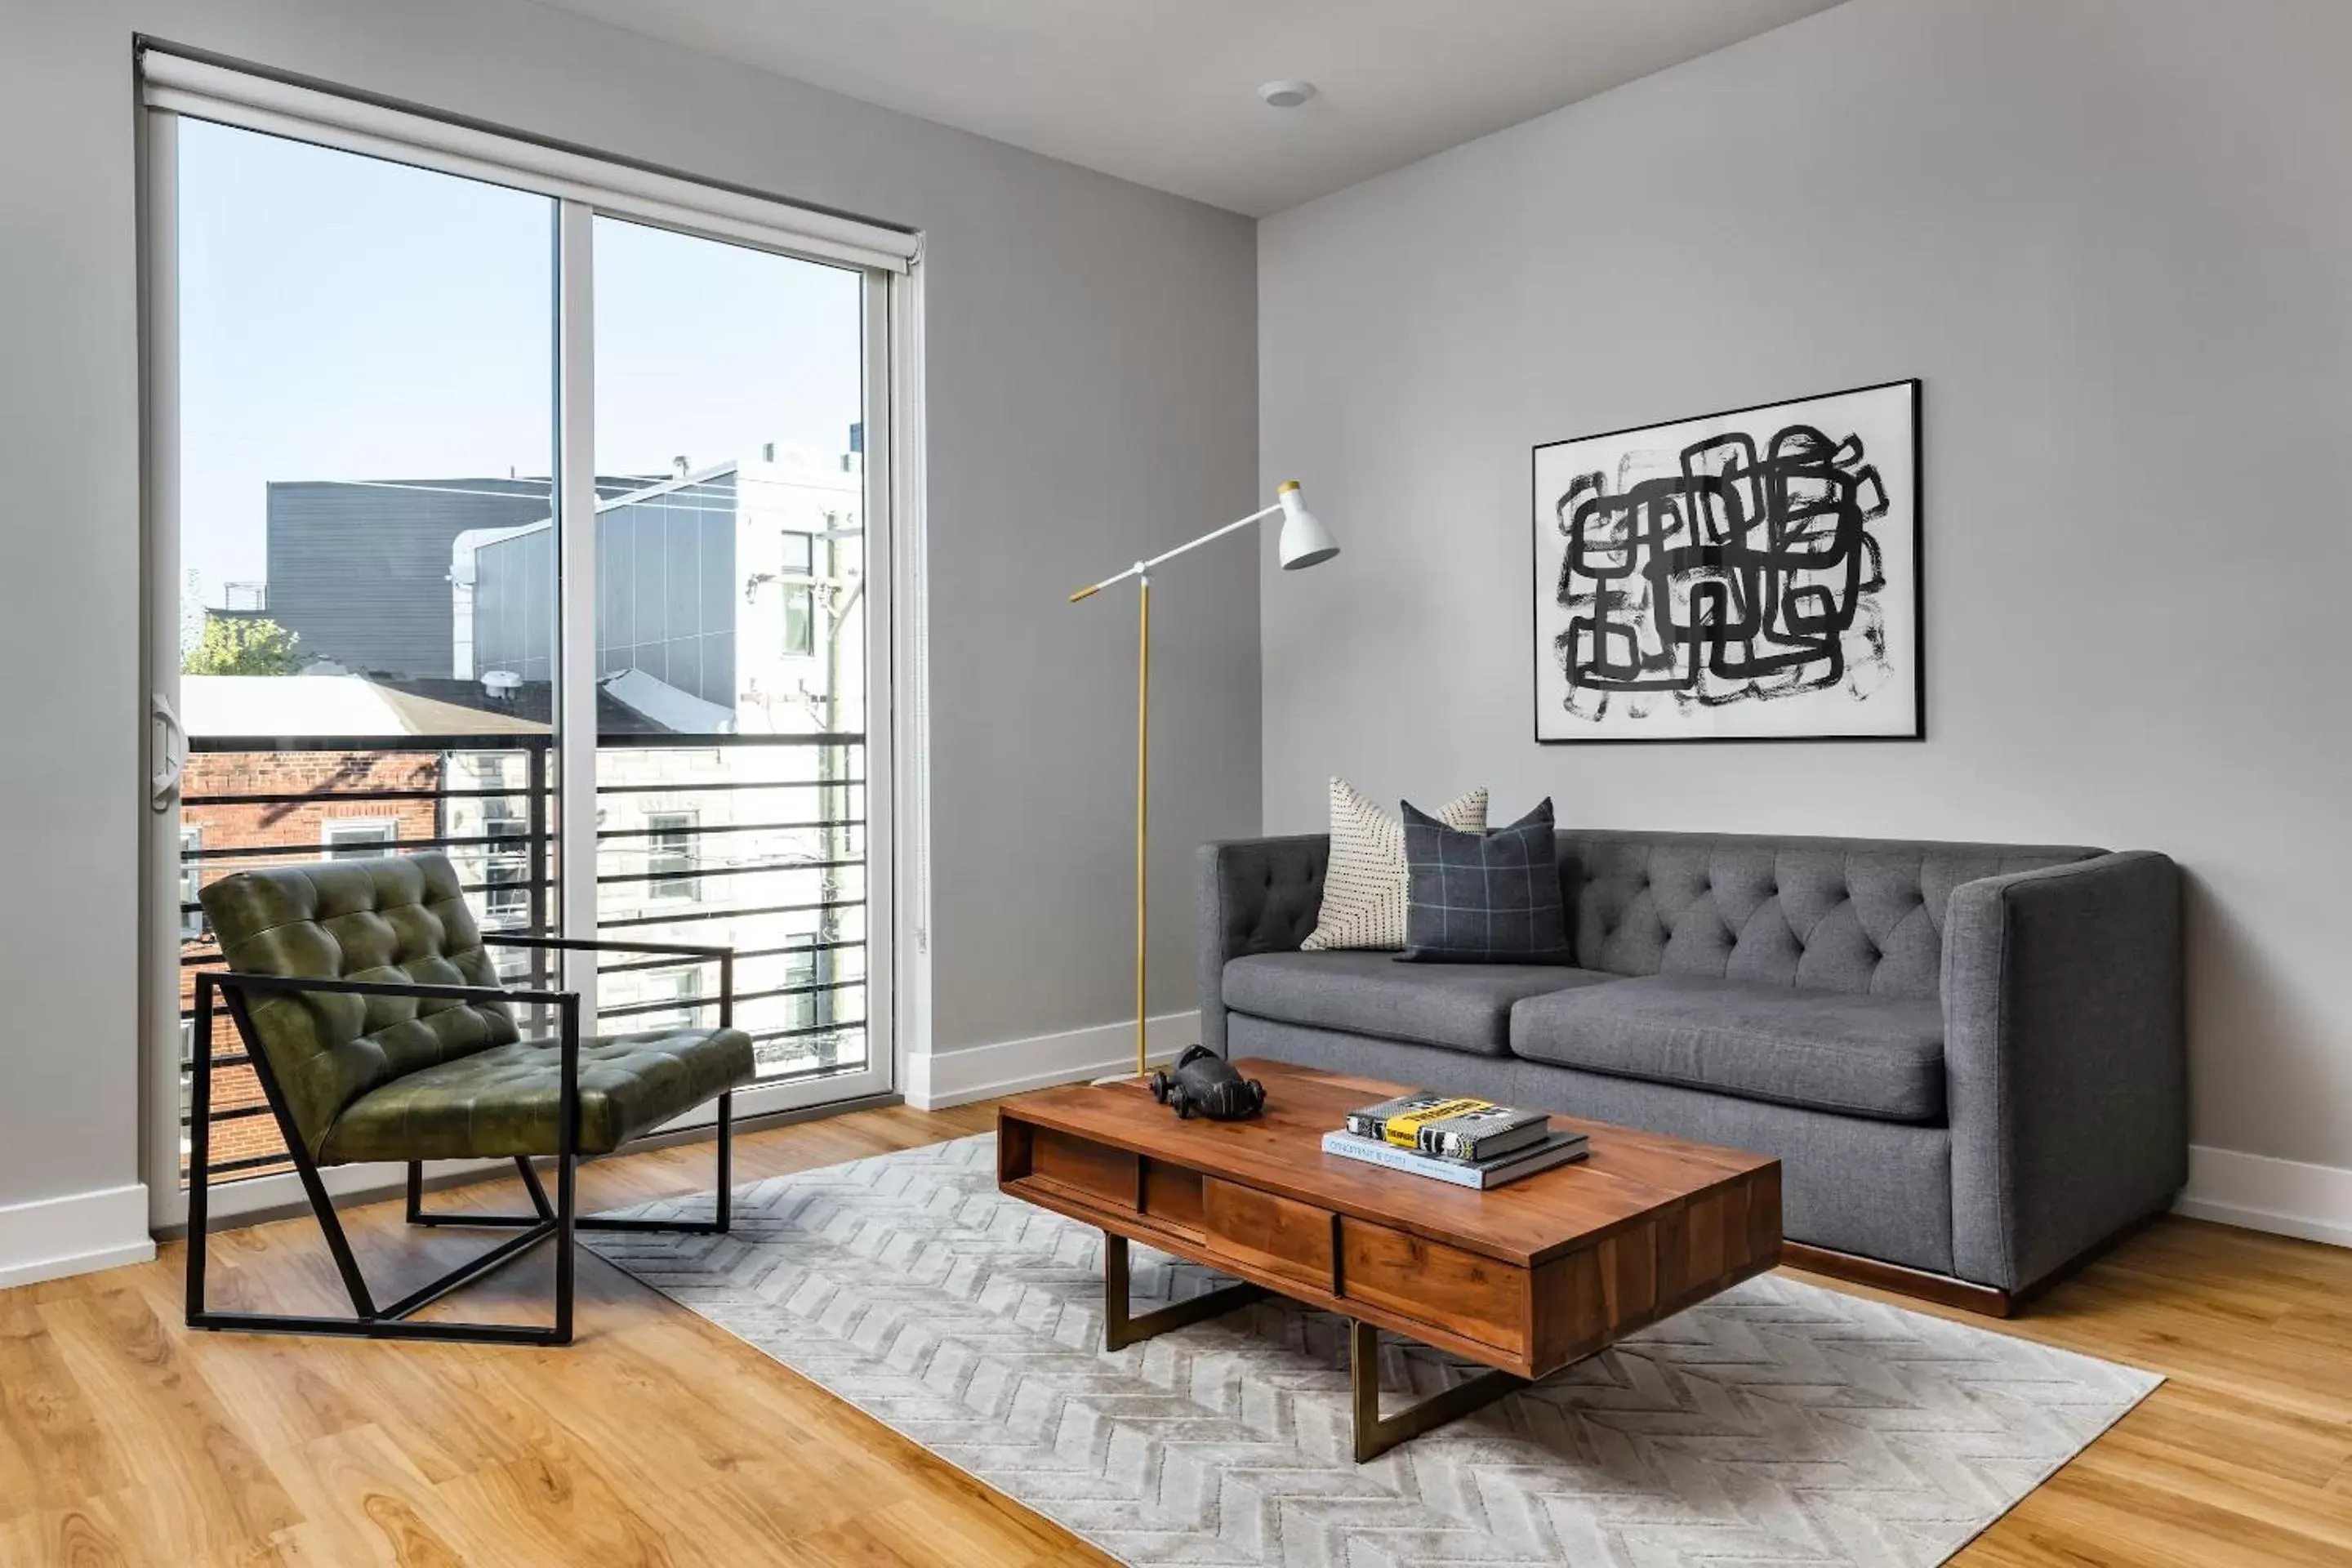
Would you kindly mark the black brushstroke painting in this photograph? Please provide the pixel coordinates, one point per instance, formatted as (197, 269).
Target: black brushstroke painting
(1745, 567)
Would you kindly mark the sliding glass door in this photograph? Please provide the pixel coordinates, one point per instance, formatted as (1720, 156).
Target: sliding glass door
(733, 626)
(361, 382)
(466, 496)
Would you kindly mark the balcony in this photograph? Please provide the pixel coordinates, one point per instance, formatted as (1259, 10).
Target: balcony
(755, 842)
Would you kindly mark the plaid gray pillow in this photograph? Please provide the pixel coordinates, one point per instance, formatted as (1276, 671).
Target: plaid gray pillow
(1483, 898)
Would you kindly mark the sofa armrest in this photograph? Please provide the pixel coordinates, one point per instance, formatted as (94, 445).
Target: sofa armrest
(2066, 1061)
(1257, 895)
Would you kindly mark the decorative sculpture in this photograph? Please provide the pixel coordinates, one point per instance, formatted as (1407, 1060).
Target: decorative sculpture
(1205, 1084)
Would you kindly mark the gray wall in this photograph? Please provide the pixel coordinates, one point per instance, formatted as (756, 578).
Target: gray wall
(1091, 394)
(2115, 239)
(665, 579)
(361, 573)
(665, 587)
(514, 604)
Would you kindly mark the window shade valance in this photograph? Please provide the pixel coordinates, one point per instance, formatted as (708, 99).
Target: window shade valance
(177, 84)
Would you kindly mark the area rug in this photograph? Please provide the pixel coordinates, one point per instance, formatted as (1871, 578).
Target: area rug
(1778, 1423)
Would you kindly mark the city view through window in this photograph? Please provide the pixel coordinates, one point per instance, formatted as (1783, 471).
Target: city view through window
(369, 595)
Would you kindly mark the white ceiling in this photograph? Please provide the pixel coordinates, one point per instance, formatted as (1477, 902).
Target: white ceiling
(1164, 92)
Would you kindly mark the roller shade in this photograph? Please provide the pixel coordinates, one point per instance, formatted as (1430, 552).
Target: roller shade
(177, 84)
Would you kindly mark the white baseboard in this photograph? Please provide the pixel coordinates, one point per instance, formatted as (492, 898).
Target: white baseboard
(938, 1081)
(51, 1237)
(2255, 1192)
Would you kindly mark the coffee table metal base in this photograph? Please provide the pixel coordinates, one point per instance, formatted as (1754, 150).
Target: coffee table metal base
(1375, 1433)
(1120, 1330)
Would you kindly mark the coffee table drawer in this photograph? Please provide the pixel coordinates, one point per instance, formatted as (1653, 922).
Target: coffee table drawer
(1433, 1283)
(1274, 1235)
(1107, 1175)
(1171, 1194)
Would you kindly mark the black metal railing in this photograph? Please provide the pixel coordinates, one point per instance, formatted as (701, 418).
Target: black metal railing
(492, 803)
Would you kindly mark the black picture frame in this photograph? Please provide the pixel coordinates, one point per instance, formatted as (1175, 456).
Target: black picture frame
(1917, 577)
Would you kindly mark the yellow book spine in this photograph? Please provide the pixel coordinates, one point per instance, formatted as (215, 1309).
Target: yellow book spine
(1404, 1132)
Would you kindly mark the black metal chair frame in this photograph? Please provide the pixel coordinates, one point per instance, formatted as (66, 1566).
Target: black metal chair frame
(559, 1220)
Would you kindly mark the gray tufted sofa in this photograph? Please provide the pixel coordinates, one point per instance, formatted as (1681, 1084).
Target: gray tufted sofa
(1968, 1058)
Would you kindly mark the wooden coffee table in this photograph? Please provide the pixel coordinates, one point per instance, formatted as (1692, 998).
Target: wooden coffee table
(1524, 1280)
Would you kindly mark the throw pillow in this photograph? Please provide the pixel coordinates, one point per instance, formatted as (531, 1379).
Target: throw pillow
(1483, 898)
(1363, 888)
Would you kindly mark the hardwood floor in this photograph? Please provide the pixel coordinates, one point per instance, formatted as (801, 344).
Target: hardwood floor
(658, 1439)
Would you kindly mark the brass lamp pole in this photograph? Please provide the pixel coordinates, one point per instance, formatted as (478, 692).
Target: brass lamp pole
(1304, 542)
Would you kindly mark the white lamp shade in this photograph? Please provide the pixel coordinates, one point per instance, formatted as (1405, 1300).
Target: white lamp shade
(1305, 541)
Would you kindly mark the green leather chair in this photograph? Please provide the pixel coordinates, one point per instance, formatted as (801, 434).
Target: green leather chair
(372, 1013)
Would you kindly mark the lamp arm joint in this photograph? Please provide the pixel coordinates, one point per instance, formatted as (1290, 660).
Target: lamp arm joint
(1141, 567)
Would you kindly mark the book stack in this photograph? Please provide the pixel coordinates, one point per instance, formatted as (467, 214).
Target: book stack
(1449, 1138)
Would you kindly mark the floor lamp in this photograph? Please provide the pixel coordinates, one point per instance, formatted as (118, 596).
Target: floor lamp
(1304, 542)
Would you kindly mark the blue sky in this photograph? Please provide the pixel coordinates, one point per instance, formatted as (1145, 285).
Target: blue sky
(346, 318)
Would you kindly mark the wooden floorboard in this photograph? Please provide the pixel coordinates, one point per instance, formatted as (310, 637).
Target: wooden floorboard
(125, 1439)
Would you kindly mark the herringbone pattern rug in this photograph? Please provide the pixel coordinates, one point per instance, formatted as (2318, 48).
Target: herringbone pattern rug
(1779, 1423)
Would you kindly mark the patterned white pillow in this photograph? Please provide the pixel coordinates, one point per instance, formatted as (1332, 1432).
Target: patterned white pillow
(1364, 887)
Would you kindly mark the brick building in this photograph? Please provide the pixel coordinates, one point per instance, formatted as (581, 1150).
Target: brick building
(216, 821)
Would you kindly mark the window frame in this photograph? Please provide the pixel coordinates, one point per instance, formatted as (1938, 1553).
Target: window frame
(895, 1016)
(806, 542)
(332, 848)
(505, 901)
(686, 989)
(802, 968)
(192, 880)
(683, 885)
(803, 593)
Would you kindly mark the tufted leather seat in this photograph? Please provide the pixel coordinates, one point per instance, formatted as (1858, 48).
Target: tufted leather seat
(387, 1077)
(503, 1101)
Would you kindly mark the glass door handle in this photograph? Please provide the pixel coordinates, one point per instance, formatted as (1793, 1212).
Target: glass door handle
(171, 753)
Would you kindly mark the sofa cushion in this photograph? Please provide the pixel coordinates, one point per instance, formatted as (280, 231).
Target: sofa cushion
(1364, 889)
(1829, 1050)
(1483, 898)
(1461, 1008)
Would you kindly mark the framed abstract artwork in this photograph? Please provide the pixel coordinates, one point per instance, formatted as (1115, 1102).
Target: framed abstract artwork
(1750, 576)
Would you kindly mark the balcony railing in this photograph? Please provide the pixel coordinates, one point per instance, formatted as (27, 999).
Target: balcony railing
(757, 842)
